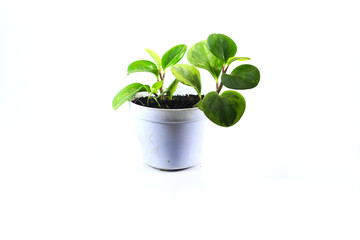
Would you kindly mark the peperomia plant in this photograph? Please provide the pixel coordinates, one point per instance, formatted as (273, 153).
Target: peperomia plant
(184, 73)
(215, 55)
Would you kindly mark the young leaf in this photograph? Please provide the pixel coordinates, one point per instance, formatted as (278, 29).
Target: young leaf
(224, 110)
(188, 75)
(128, 92)
(156, 86)
(245, 76)
(143, 66)
(233, 59)
(222, 46)
(200, 56)
(155, 57)
(170, 90)
(173, 56)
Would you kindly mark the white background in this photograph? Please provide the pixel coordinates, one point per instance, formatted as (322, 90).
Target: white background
(70, 166)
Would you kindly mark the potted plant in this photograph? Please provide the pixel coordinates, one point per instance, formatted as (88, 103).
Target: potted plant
(171, 136)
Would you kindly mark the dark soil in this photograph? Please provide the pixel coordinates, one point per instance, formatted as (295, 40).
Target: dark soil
(177, 102)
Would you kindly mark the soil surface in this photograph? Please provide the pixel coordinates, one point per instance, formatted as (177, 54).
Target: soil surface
(177, 102)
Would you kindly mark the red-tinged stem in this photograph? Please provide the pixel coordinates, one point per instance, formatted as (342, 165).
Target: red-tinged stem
(219, 88)
(162, 79)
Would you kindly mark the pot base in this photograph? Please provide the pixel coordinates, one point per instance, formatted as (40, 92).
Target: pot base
(170, 170)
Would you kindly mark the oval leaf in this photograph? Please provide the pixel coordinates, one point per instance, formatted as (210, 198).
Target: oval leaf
(242, 77)
(188, 75)
(155, 57)
(224, 110)
(200, 56)
(222, 46)
(143, 66)
(128, 92)
(173, 56)
(233, 59)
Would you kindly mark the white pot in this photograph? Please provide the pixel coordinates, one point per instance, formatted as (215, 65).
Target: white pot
(170, 139)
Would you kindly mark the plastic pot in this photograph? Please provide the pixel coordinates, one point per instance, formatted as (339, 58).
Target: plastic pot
(170, 139)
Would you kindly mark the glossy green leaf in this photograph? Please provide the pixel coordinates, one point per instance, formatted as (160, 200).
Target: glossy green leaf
(143, 66)
(233, 59)
(200, 56)
(188, 75)
(222, 46)
(154, 56)
(173, 56)
(128, 92)
(156, 86)
(224, 110)
(242, 77)
(171, 89)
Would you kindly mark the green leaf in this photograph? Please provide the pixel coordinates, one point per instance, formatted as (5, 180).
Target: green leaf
(143, 66)
(222, 46)
(233, 59)
(224, 110)
(171, 89)
(156, 86)
(245, 76)
(173, 56)
(155, 57)
(200, 56)
(147, 88)
(128, 92)
(188, 75)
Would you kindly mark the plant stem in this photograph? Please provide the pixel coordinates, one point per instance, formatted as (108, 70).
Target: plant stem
(219, 87)
(162, 79)
(157, 102)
